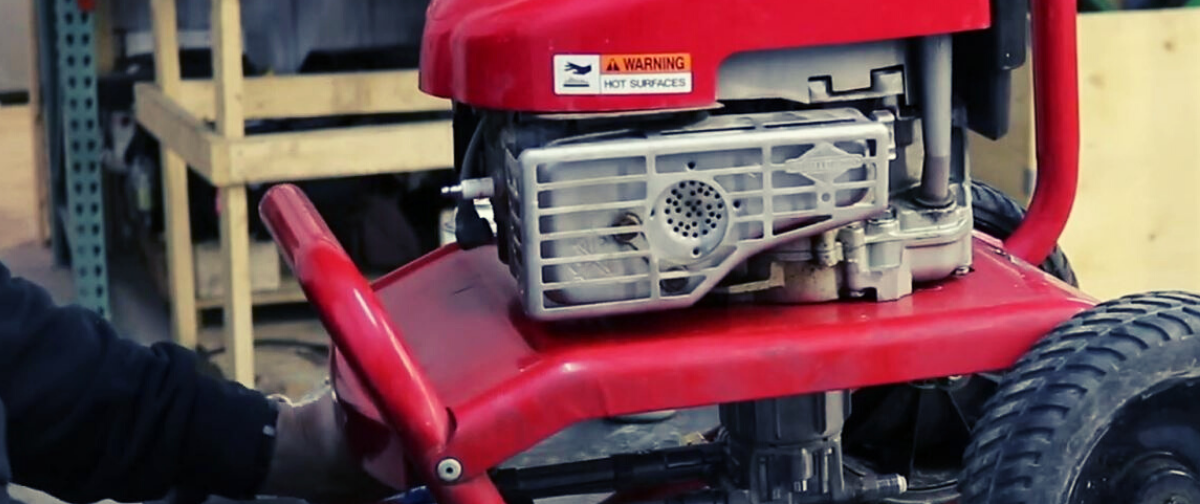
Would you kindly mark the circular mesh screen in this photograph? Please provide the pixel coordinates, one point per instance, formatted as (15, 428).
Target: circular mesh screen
(693, 218)
(694, 209)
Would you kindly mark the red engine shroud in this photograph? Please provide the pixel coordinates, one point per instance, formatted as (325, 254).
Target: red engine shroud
(499, 54)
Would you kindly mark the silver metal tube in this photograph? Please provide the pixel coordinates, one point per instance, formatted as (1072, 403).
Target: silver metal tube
(471, 189)
(936, 118)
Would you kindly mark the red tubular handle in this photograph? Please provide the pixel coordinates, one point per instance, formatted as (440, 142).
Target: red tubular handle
(357, 322)
(1056, 112)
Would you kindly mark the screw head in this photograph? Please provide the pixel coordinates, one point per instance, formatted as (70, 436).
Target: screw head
(449, 470)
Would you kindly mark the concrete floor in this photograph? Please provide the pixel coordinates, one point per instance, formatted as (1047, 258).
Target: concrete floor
(141, 314)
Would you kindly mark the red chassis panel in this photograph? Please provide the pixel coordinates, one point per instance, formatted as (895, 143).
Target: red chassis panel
(440, 351)
(499, 54)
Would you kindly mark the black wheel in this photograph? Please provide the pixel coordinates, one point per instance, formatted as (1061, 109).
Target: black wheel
(1105, 410)
(920, 430)
(998, 215)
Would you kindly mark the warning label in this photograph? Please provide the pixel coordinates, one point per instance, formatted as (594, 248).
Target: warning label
(646, 83)
(622, 74)
(647, 63)
(577, 74)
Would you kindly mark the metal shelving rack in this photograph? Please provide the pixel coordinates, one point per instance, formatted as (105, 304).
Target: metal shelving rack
(68, 77)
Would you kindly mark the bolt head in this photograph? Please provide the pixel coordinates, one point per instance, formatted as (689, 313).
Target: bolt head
(449, 470)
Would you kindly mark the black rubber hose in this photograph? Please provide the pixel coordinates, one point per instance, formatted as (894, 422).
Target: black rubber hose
(471, 230)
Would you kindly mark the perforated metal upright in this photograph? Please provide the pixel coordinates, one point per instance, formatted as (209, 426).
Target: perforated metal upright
(68, 37)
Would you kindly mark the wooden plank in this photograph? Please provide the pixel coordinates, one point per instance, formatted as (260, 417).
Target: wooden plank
(265, 269)
(296, 96)
(177, 132)
(19, 205)
(180, 132)
(1133, 227)
(235, 228)
(166, 46)
(154, 254)
(341, 152)
(289, 292)
(227, 66)
(180, 260)
(238, 308)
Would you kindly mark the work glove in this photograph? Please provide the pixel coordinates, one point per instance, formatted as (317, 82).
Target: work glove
(313, 460)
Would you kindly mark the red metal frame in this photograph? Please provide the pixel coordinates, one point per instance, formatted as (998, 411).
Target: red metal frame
(498, 54)
(445, 334)
(436, 361)
(1056, 98)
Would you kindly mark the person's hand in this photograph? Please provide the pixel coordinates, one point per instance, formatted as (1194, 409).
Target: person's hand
(312, 459)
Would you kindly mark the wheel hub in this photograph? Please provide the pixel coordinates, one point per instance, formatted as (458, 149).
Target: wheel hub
(1157, 479)
(918, 430)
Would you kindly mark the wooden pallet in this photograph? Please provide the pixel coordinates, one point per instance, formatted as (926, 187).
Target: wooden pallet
(154, 254)
(177, 112)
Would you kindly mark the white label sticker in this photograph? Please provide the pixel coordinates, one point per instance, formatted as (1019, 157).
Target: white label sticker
(577, 74)
(622, 74)
(646, 83)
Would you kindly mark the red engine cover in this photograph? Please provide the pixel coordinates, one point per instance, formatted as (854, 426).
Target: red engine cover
(500, 54)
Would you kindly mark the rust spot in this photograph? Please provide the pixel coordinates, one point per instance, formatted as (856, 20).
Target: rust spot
(1169, 45)
(1096, 80)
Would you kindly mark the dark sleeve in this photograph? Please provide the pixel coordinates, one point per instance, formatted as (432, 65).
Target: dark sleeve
(94, 416)
(5, 473)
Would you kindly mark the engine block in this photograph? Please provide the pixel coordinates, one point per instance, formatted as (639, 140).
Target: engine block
(657, 220)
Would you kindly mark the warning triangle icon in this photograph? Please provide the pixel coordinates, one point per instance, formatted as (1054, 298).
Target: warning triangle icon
(613, 66)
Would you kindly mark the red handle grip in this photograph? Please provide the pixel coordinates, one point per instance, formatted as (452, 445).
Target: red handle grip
(357, 322)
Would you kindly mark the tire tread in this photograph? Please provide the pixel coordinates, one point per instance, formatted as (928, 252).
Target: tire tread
(997, 468)
(998, 215)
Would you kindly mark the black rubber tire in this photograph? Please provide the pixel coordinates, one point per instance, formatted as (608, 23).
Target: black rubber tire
(1059, 400)
(998, 215)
